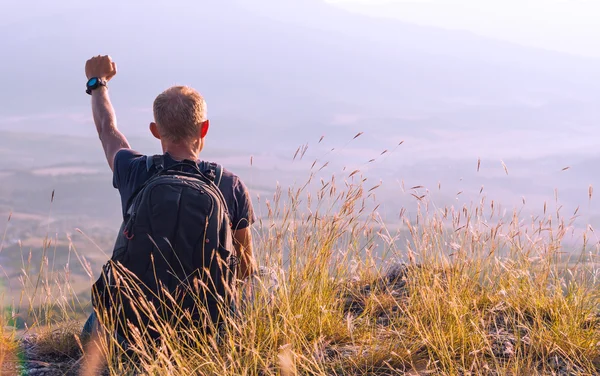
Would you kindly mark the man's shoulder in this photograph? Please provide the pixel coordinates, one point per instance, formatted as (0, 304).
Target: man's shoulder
(238, 199)
(230, 175)
(128, 156)
(231, 179)
(128, 164)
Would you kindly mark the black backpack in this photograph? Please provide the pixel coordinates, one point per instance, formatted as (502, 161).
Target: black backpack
(175, 239)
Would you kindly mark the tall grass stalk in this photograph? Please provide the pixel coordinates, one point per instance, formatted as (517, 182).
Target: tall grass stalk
(478, 293)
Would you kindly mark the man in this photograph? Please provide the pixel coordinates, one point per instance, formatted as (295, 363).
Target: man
(181, 125)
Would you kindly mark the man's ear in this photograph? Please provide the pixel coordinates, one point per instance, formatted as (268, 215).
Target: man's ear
(204, 129)
(154, 130)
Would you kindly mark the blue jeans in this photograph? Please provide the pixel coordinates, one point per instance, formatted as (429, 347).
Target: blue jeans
(91, 327)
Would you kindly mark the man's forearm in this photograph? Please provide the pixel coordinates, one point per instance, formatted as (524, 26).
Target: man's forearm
(242, 240)
(245, 267)
(103, 111)
(106, 124)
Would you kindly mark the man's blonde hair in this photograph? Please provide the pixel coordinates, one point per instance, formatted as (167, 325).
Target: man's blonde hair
(179, 113)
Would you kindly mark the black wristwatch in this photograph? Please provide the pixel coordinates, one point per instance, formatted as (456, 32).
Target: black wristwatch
(94, 83)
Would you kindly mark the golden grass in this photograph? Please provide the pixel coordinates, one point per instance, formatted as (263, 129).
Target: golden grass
(475, 297)
(8, 350)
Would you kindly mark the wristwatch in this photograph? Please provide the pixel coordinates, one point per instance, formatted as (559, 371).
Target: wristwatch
(94, 83)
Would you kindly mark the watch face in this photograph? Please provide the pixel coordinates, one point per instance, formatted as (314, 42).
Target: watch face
(92, 81)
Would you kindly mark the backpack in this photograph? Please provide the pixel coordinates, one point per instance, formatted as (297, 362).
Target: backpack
(174, 249)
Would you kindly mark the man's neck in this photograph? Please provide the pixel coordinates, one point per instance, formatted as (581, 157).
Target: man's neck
(181, 152)
(182, 156)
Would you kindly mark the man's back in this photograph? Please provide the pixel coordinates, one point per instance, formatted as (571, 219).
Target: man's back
(174, 251)
(131, 172)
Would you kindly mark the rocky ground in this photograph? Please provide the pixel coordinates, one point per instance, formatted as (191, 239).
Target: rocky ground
(505, 336)
(30, 360)
(505, 332)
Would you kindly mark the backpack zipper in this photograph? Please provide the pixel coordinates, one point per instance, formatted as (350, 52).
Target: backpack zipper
(128, 231)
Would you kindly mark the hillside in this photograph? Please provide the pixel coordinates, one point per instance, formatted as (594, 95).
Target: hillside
(474, 296)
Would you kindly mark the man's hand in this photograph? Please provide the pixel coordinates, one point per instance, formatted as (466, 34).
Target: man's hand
(101, 67)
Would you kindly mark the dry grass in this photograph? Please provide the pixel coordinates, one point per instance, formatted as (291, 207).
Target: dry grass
(58, 340)
(8, 348)
(479, 294)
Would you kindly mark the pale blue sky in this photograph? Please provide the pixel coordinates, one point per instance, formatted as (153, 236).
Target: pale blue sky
(563, 25)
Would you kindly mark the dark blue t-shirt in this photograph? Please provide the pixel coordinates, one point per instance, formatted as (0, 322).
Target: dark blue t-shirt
(131, 171)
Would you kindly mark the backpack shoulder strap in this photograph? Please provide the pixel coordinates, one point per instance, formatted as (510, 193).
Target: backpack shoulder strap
(157, 161)
(218, 173)
(213, 171)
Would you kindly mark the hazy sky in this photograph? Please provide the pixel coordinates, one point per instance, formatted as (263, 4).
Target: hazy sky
(281, 73)
(564, 25)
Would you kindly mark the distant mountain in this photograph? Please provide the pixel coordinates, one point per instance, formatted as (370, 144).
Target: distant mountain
(283, 72)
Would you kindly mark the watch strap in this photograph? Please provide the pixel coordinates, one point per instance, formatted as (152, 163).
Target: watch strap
(99, 82)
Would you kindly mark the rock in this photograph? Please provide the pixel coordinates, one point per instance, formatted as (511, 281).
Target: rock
(383, 319)
(561, 366)
(365, 290)
(262, 284)
(45, 371)
(397, 274)
(396, 279)
(394, 282)
(503, 345)
(354, 305)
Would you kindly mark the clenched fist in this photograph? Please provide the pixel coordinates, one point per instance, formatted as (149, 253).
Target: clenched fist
(101, 67)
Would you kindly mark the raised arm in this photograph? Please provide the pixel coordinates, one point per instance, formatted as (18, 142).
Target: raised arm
(103, 69)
